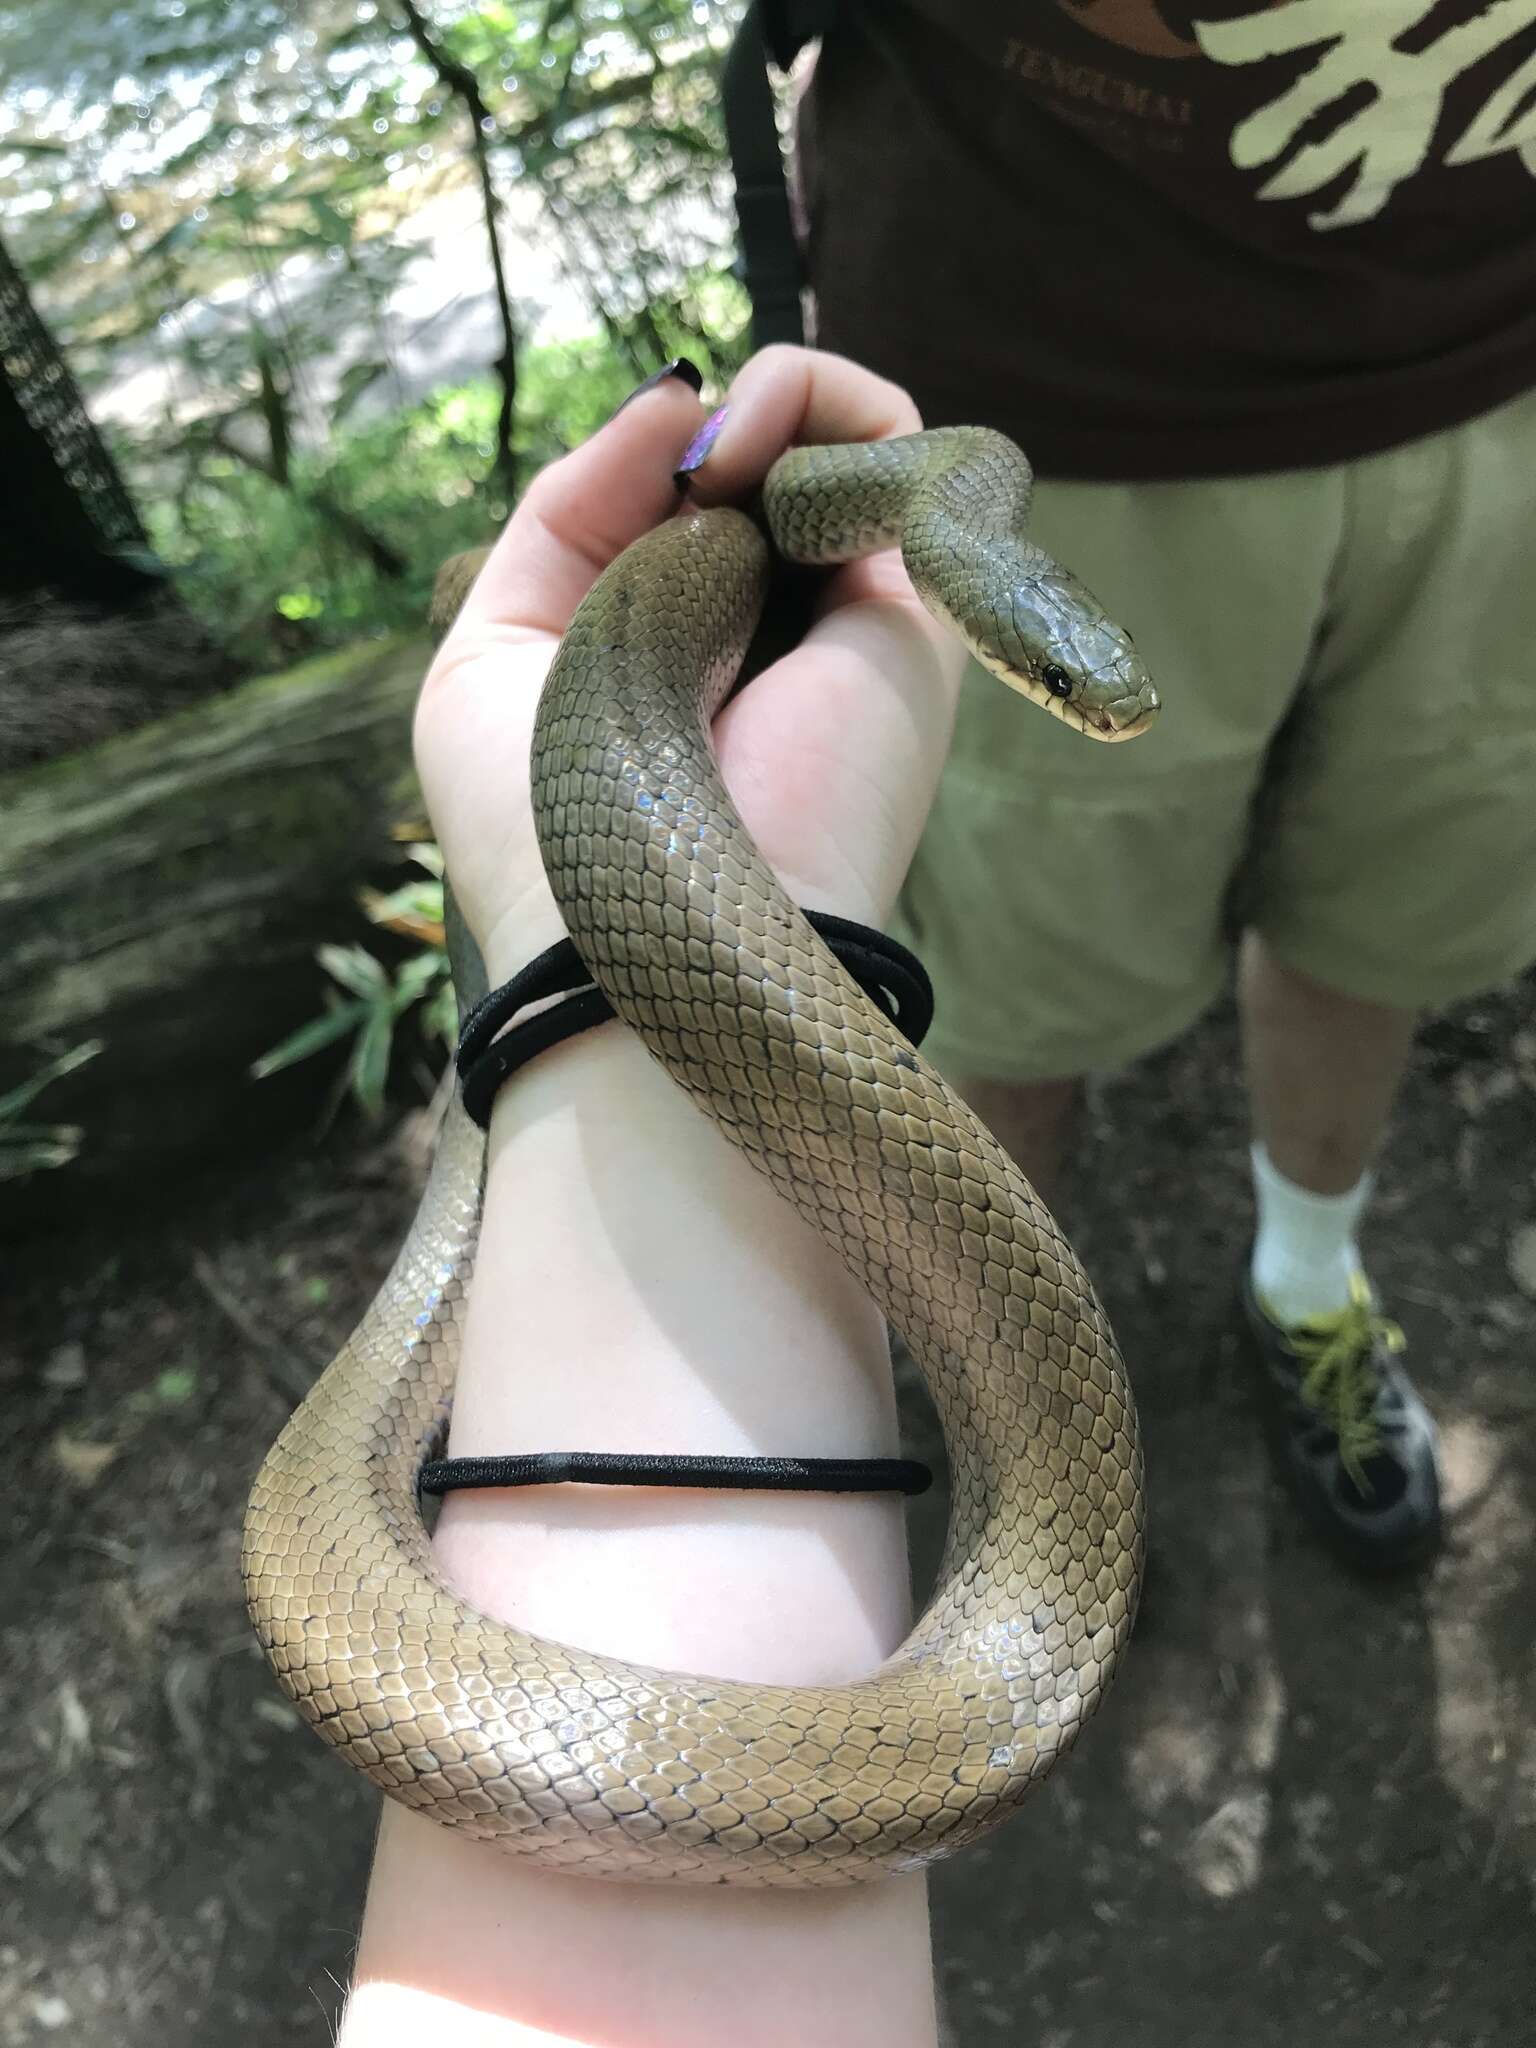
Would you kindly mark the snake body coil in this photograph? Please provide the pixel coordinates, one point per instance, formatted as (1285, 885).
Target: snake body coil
(610, 1769)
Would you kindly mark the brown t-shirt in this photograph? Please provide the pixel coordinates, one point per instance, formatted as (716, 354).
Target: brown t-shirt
(1151, 240)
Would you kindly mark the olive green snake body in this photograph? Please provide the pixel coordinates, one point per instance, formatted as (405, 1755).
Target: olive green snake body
(596, 1766)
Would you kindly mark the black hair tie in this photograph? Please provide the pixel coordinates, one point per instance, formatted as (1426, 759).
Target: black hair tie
(488, 1051)
(618, 1468)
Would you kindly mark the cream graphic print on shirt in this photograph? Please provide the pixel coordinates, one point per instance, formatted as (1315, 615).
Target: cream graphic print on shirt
(1391, 98)
(1389, 136)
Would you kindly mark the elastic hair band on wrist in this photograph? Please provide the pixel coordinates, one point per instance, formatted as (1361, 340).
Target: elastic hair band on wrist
(617, 1468)
(489, 1051)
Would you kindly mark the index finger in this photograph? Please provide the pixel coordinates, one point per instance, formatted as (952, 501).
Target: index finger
(577, 516)
(786, 397)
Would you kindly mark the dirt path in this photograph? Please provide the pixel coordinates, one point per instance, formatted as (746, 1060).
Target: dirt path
(1307, 1816)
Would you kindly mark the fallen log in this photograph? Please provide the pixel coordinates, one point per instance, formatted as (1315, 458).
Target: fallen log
(163, 893)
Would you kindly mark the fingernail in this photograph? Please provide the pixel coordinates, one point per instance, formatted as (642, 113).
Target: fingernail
(679, 367)
(696, 454)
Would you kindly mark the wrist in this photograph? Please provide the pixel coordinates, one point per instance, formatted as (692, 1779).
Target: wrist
(532, 924)
(527, 927)
(649, 1224)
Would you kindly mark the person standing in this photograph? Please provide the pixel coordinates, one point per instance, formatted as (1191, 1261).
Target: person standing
(1255, 287)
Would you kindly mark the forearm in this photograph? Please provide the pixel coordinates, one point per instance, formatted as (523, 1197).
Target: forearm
(641, 1288)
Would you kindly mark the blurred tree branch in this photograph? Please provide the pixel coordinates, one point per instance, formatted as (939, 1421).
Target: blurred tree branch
(388, 561)
(459, 80)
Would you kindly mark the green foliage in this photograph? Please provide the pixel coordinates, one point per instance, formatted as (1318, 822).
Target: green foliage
(370, 999)
(27, 1148)
(215, 193)
(246, 548)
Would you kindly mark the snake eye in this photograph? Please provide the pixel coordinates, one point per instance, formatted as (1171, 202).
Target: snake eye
(1056, 680)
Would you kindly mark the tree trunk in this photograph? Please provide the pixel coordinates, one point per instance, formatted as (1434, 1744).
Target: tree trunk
(164, 893)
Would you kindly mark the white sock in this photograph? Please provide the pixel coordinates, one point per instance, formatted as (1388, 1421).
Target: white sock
(1305, 1252)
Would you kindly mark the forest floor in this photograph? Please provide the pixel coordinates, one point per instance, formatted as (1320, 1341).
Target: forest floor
(1307, 1815)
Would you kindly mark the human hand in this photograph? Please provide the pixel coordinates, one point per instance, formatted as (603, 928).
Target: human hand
(831, 755)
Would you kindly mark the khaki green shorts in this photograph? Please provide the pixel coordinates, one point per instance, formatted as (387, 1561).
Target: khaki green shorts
(1345, 760)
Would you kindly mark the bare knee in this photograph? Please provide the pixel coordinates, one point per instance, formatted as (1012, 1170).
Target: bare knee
(1033, 1121)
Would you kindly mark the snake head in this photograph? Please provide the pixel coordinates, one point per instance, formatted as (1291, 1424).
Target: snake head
(1050, 639)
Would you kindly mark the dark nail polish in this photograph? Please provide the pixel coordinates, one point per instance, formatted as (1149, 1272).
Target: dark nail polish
(679, 367)
(696, 454)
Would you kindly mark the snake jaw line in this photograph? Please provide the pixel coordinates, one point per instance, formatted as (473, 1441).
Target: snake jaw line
(1131, 731)
(1099, 727)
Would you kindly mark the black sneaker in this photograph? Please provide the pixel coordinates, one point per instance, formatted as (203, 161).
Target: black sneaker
(1352, 1440)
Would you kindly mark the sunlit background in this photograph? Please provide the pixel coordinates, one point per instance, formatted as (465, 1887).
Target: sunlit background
(262, 235)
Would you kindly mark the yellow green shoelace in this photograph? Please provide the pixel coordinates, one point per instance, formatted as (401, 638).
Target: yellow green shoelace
(1336, 1353)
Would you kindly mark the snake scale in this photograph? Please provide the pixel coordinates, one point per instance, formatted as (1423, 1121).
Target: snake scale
(609, 1769)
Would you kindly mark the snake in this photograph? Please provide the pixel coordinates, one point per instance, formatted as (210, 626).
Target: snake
(602, 1767)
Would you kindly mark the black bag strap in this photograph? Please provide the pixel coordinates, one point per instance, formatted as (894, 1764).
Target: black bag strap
(769, 262)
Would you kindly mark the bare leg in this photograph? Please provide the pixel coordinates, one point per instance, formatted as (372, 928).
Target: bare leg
(1033, 1121)
(1323, 1070)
